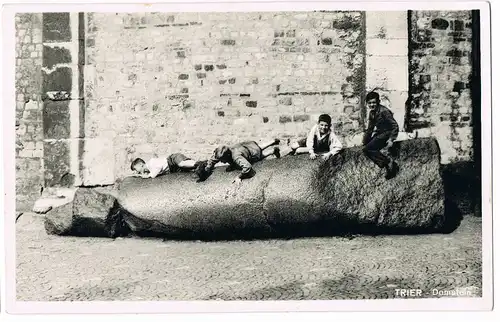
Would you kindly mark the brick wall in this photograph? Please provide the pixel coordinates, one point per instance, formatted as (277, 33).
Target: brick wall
(29, 133)
(63, 97)
(387, 59)
(440, 69)
(159, 83)
(135, 85)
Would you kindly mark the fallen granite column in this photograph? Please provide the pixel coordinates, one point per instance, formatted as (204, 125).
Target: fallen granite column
(91, 213)
(289, 197)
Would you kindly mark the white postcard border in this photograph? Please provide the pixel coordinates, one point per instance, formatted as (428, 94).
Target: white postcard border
(448, 304)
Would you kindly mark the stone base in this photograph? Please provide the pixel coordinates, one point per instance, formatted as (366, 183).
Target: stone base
(53, 198)
(91, 213)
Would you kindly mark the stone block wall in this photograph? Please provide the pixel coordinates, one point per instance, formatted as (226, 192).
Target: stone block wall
(157, 83)
(62, 76)
(29, 130)
(387, 59)
(440, 52)
(96, 90)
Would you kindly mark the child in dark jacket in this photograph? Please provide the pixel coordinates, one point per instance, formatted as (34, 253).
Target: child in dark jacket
(381, 133)
(239, 156)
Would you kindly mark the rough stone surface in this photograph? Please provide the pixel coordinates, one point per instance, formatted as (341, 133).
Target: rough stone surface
(55, 27)
(351, 191)
(56, 119)
(440, 70)
(29, 130)
(91, 213)
(54, 268)
(56, 161)
(294, 196)
(60, 220)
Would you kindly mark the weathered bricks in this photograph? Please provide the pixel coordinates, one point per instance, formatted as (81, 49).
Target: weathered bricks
(285, 119)
(439, 23)
(228, 42)
(270, 84)
(29, 129)
(56, 27)
(251, 104)
(440, 51)
(301, 118)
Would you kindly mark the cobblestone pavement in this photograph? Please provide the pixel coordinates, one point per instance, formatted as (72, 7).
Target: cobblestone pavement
(52, 268)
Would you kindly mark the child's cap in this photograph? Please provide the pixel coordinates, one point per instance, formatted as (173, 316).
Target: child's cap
(325, 118)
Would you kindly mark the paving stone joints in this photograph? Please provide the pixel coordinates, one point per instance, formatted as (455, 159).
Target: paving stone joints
(53, 268)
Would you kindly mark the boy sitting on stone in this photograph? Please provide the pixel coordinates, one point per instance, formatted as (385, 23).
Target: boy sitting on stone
(320, 141)
(239, 156)
(381, 133)
(159, 166)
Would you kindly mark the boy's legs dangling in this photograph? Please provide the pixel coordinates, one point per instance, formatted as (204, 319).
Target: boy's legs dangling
(372, 151)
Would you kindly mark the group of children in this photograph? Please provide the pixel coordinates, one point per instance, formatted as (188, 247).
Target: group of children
(321, 142)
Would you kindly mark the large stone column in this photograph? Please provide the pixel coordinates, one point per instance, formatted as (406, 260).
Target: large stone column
(387, 59)
(62, 96)
(69, 158)
(289, 197)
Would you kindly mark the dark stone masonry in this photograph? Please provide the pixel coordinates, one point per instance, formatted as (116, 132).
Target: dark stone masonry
(138, 85)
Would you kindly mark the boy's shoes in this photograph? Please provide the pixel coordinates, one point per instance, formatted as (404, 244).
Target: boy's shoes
(277, 153)
(392, 170)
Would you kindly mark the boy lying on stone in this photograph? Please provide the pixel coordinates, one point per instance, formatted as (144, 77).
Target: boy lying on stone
(381, 133)
(321, 140)
(159, 166)
(239, 156)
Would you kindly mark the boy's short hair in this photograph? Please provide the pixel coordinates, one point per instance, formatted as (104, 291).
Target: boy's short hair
(372, 95)
(201, 171)
(325, 118)
(136, 162)
(222, 151)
